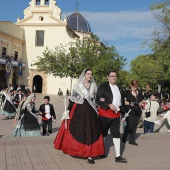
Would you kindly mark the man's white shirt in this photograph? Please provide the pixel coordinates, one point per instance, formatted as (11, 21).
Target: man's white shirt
(116, 96)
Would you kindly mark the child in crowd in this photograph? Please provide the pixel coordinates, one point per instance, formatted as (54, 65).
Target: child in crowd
(46, 110)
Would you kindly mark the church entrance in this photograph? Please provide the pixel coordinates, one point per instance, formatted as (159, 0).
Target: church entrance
(2, 78)
(37, 84)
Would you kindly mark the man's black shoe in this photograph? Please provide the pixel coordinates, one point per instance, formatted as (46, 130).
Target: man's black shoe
(120, 159)
(91, 161)
(140, 126)
(48, 134)
(43, 134)
(133, 143)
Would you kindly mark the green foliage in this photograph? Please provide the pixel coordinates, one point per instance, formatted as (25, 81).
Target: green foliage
(147, 70)
(161, 42)
(124, 78)
(70, 60)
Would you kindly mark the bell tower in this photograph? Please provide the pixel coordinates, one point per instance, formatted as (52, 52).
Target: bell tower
(45, 10)
(42, 2)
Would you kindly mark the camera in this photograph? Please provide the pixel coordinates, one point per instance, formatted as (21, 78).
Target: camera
(136, 106)
(136, 103)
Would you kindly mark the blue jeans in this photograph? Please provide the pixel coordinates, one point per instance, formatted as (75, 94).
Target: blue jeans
(148, 127)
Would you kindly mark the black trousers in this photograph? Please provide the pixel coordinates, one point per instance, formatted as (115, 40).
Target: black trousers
(110, 123)
(131, 127)
(45, 124)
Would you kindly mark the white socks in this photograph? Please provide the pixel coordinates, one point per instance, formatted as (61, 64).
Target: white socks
(116, 142)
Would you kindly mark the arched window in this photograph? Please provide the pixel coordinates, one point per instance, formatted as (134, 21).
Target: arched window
(37, 2)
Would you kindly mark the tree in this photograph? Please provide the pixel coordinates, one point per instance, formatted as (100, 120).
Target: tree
(124, 78)
(71, 59)
(161, 41)
(146, 70)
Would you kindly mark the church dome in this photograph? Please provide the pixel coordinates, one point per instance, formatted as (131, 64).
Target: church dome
(77, 22)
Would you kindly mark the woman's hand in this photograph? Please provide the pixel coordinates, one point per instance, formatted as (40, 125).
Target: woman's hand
(112, 107)
(102, 99)
(141, 103)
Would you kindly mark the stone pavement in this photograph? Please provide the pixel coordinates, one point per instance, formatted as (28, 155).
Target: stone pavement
(37, 153)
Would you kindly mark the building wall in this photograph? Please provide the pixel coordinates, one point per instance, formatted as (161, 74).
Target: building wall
(56, 32)
(12, 38)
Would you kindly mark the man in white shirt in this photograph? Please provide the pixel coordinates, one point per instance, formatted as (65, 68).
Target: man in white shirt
(110, 99)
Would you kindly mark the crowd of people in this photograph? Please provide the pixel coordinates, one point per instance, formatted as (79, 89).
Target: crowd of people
(19, 105)
(84, 129)
(11, 57)
(92, 112)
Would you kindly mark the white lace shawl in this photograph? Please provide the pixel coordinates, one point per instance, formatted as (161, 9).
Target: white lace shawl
(80, 92)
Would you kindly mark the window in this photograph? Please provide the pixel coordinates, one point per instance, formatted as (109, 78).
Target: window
(39, 40)
(16, 55)
(46, 2)
(3, 51)
(37, 2)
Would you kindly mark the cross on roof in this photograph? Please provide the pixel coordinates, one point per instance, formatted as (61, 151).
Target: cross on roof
(77, 4)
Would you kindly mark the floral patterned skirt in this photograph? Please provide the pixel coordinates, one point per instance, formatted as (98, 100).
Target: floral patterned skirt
(83, 135)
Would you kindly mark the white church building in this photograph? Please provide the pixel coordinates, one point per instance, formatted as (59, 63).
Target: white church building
(23, 41)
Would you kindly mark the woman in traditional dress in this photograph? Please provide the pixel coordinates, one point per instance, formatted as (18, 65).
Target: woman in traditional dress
(28, 121)
(8, 108)
(1, 93)
(80, 133)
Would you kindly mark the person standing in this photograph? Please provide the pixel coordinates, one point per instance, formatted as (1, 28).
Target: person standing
(8, 108)
(110, 99)
(46, 110)
(81, 135)
(133, 102)
(27, 124)
(34, 89)
(18, 98)
(152, 106)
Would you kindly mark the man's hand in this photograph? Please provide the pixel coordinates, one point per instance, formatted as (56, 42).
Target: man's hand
(112, 107)
(54, 120)
(40, 113)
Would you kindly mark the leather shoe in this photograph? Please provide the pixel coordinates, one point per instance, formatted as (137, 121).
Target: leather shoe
(120, 159)
(91, 161)
(140, 126)
(133, 143)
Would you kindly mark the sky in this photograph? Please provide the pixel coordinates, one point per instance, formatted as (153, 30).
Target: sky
(125, 24)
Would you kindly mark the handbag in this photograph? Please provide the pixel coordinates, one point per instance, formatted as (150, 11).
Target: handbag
(148, 113)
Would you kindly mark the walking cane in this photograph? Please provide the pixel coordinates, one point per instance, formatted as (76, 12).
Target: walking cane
(65, 109)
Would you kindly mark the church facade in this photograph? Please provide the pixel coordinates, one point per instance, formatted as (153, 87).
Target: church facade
(23, 41)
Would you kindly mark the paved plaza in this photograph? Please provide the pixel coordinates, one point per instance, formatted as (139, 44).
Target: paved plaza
(38, 153)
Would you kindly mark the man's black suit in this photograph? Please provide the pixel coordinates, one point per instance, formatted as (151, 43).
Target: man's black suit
(47, 122)
(104, 91)
(17, 99)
